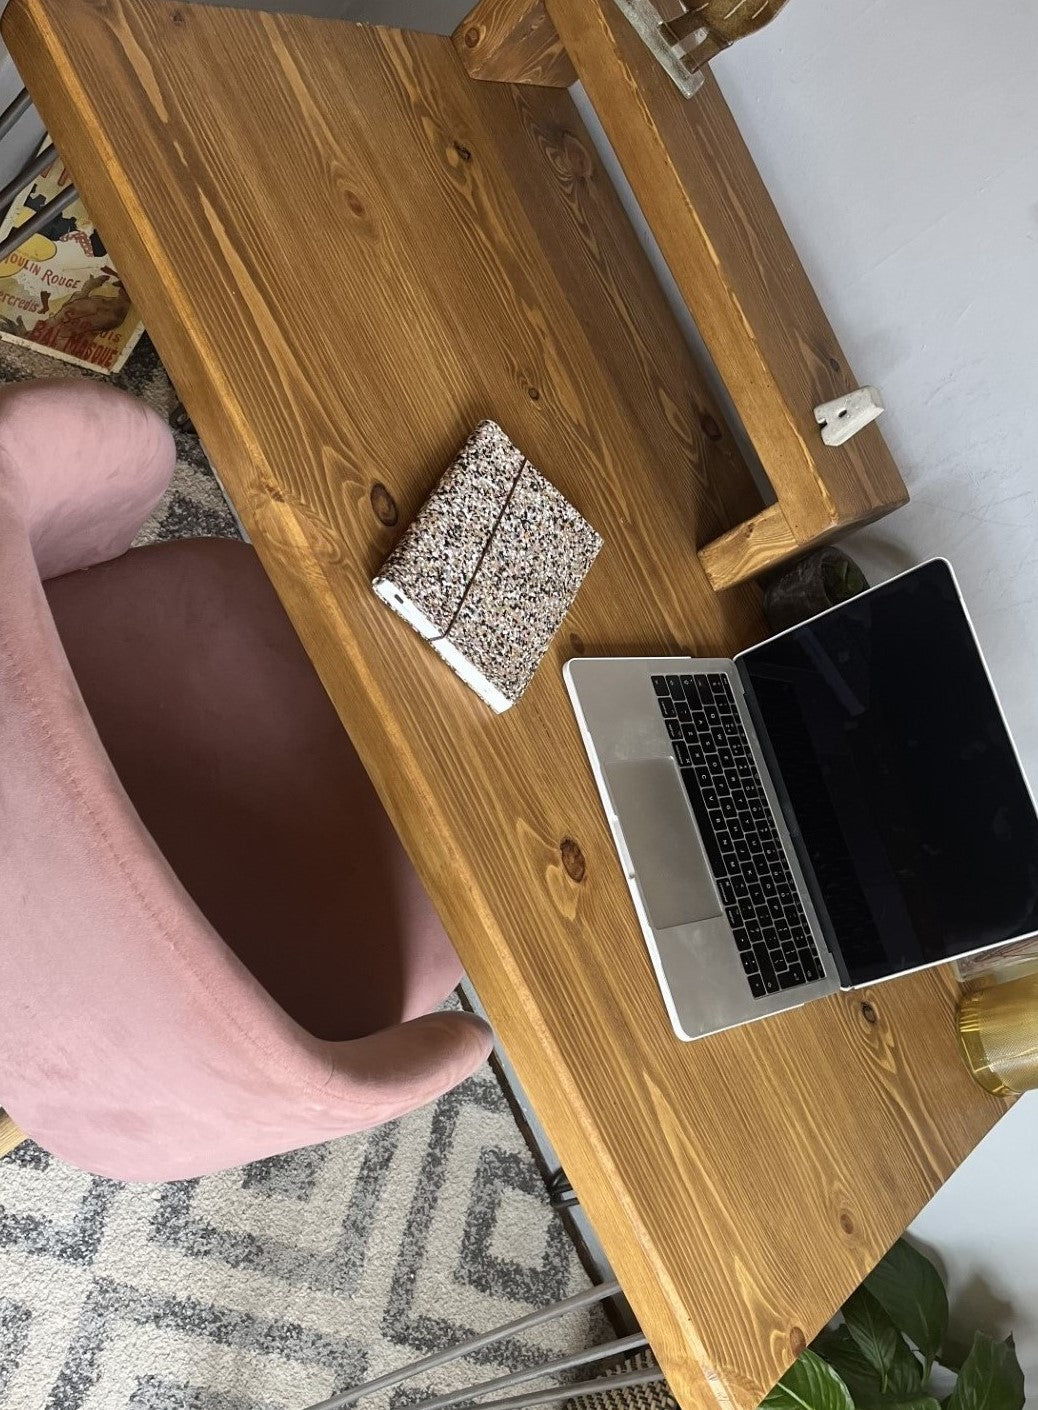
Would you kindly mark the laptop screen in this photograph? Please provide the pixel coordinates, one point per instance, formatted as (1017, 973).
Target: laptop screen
(883, 729)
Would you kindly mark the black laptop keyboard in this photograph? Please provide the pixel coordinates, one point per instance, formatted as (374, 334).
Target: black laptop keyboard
(738, 830)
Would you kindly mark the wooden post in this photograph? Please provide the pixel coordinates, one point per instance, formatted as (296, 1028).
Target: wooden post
(513, 41)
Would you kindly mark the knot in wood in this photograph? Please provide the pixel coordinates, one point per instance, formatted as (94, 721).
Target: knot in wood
(384, 505)
(573, 859)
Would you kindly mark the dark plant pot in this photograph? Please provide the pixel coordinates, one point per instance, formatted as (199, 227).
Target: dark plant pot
(812, 585)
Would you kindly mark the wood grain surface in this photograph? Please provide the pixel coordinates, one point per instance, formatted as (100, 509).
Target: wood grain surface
(743, 282)
(750, 548)
(513, 41)
(10, 1134)
(348, 253)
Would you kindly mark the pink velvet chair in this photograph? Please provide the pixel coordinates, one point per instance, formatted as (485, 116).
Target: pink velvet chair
(212, 945)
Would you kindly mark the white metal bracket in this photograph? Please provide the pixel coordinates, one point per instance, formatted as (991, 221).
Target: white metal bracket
(846, 416)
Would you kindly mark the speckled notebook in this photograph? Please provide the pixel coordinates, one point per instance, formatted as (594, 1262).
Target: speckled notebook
(490, 566)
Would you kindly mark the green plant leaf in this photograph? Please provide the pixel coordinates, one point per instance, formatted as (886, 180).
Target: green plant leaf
(862, 1378)
(906, 1374)
(873, 1331)
(809, 1384)
(990, 1379)
(909, 1289)
(952, 1357)
(846, 1358)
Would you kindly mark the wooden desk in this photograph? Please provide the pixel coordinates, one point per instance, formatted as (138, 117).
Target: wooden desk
(347, 253)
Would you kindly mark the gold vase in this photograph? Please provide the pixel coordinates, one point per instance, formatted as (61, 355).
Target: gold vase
(998, 1031)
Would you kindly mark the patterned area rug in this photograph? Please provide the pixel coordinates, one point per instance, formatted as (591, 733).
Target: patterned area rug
(273, 1286)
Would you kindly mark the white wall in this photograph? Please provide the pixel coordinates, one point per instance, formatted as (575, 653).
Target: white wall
(900, 143)
(982, 1228)
(899, 140)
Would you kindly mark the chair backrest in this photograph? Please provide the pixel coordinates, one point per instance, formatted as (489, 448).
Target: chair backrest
(133, 1042)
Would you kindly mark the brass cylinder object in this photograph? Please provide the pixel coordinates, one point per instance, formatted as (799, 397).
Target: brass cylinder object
(998, 1031)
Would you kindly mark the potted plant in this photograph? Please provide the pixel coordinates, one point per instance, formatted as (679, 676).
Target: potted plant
(890, 1347)
(812, 585)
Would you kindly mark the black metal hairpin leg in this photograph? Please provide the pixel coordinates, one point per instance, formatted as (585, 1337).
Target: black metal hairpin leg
(567, 1391)
(39, 221)
(561, 1193)
(27, 174)
(16, 109)
(18, 106)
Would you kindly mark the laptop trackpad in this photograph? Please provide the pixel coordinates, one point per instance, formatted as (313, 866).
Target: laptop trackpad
(670, 867)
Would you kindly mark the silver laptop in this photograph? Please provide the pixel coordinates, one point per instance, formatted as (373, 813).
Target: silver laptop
(838, 805)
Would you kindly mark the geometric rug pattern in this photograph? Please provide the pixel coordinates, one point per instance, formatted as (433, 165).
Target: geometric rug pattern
(275, 1285)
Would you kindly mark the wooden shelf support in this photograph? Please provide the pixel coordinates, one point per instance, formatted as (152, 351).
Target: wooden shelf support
(513, 41)
(739, 275)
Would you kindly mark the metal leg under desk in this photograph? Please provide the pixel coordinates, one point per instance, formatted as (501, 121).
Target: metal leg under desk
(567, 1391)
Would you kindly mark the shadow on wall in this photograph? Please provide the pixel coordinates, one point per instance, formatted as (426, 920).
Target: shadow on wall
(975, 1306)
(978, 1307)
(878, 556)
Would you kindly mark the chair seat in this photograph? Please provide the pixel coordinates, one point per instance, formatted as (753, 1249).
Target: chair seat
(238, 765)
